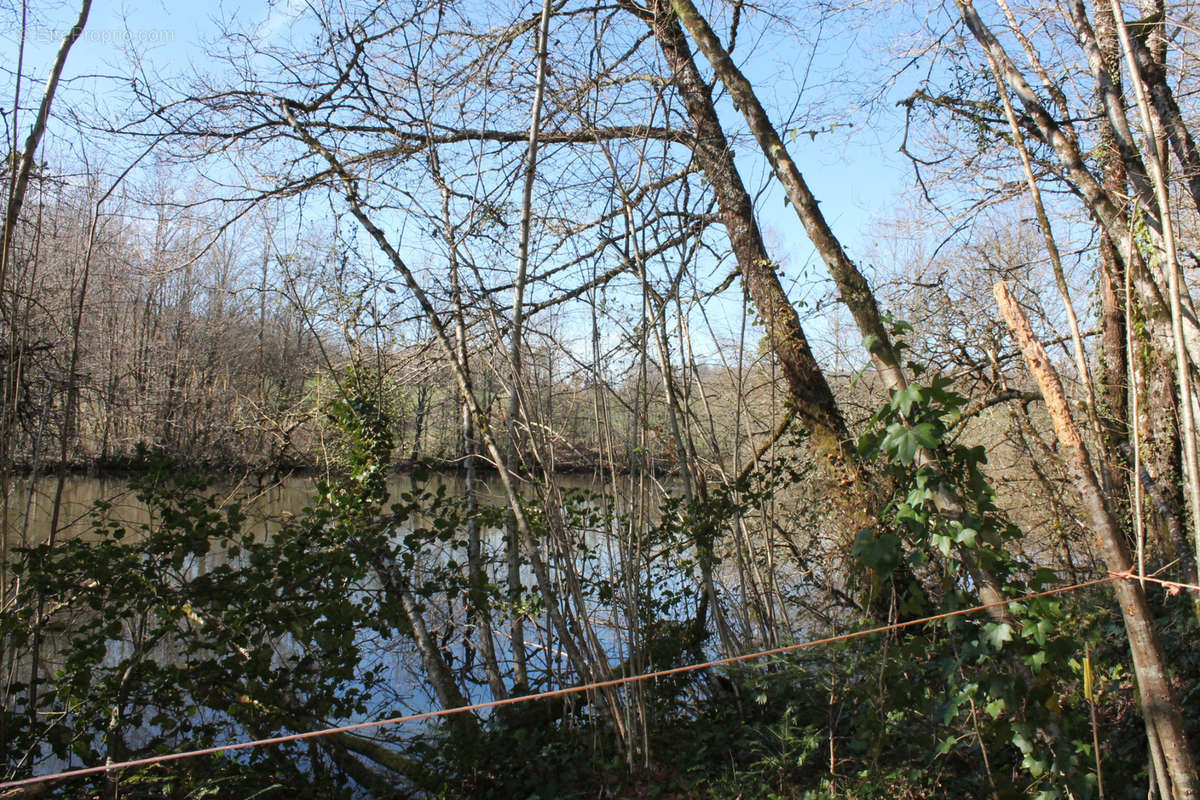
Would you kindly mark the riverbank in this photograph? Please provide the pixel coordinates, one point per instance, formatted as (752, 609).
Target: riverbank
(128, 466)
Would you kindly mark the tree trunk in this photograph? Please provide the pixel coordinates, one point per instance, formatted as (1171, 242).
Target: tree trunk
(852, 285)
(1162, 457)
(815, 404)
(1157, 696)
(853, 490)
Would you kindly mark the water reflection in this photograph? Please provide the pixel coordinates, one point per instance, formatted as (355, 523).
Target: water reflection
(30, 506)
(597, 552)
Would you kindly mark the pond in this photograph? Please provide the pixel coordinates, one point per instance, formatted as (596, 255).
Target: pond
(30, 506)
(600, 567)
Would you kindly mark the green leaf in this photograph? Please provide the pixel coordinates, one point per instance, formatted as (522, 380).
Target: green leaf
(904, 399)
(926, 435)
(880, 553)
(997, 633)
(918, 496)
(1038, 630)
(946, 745)
(1044, 577)
(1022, 739)
(903, 442)
(900, 443)
(1037, 768)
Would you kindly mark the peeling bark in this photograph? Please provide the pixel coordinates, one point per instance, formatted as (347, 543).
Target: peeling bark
(1159, 706)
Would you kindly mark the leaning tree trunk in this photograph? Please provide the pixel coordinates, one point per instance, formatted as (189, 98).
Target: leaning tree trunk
(852, 286)
(855, 491)
(815, 403)
(1159, 705)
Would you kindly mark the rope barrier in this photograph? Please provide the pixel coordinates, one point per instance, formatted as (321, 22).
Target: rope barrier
(143, 762)
(1173, 587)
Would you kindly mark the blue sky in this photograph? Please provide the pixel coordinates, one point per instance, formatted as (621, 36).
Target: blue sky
(855, 172)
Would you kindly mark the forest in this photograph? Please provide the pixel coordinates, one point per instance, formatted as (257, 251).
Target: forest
(637, 461)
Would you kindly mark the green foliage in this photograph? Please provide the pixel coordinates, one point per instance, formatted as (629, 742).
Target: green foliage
(1006, 680)
(188, 631)
(191, 630)
(359, 416)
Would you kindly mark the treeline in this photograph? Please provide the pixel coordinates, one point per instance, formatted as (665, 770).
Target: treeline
(150, 326)
(125, 330)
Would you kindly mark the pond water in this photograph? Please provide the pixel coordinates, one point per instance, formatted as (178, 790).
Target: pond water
(30, 504)
(406, 686)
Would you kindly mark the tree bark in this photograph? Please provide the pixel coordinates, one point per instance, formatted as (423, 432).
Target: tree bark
(1180, 303)
(1158, 701)
(1162, 456)
(815, 404)
(852, 286)
(1113, 408)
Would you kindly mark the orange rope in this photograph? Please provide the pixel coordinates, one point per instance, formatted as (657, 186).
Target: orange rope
(142, 762)
(1173, 587)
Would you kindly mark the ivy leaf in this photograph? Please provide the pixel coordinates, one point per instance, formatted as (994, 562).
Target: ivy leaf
(926, 435)
(891, 437)
(904, 399)
(908, 447)
(997, 633)
(1022, 739)
(879, 553)
(1044, 577)
(1037, 631)
(1037, 768)
(903, 442)
(919, 495)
